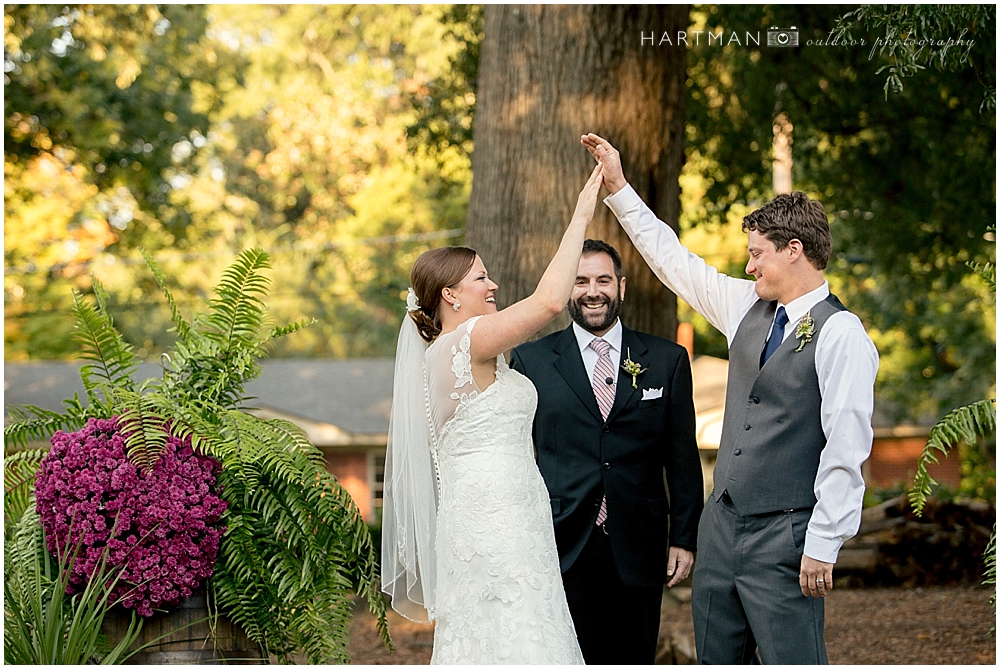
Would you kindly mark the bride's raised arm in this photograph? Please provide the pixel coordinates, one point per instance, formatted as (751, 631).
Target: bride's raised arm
(496, 333)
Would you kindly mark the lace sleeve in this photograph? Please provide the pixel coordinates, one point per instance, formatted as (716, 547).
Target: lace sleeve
(449, 374)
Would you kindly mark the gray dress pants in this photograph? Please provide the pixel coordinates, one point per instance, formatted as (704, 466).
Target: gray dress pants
(746, 597)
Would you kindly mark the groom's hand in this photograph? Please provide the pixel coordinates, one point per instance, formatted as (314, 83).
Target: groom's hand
(679, 562)
(603, 152)
(815, 577)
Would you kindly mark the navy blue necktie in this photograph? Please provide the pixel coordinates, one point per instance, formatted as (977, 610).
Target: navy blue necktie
(777, 334)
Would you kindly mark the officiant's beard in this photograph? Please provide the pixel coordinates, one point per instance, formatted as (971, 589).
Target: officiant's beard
(595, 322)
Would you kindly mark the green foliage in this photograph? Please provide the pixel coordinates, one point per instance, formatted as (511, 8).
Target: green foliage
(978, 468)
(111, 359)
(293, 552)
(144, 425)
(116, 86)
(19, 469)
(988, 272)
(916, 36)
(966, 424)
(42, 626)
(875, 496)
(445, 107)
(296, 547)
(33, 424)
(299, 147)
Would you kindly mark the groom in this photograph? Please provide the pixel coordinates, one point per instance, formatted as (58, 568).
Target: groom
(788, 484)
(615, 418)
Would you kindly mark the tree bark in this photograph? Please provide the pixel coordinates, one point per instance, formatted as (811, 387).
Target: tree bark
(547, 75)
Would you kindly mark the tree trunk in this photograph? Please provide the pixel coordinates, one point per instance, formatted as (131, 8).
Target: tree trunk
(547, 75)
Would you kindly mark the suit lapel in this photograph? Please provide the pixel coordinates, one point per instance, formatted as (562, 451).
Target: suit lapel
(569, 363)
(631, 346)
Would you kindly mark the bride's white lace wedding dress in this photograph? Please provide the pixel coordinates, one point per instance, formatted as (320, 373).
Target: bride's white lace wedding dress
(500, 597)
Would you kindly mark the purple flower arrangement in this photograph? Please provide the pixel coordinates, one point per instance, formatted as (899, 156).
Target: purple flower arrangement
(161, 526)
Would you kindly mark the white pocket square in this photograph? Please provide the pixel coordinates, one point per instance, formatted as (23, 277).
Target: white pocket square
(651, 393)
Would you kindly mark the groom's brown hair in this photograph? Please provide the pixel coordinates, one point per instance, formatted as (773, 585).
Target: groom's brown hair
(794, 216)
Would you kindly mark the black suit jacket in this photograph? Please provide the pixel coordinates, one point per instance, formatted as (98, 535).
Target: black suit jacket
(582, 457)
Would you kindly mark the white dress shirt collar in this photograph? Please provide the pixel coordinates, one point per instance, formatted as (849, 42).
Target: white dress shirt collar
(612, 336)
(800, 306)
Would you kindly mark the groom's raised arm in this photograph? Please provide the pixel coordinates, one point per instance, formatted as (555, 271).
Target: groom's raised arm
(721, 299)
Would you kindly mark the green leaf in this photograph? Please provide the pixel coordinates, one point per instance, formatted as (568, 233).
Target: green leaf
(19, 469)
(42, 625)
(967, 424)
(34, 424)
(181, 326)
(111, 359)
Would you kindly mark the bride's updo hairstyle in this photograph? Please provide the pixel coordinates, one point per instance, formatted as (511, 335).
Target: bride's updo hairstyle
(434, 270)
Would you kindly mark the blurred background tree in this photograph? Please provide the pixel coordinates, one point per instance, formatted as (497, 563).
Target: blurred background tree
(231, 126)
(96, 98)
(579, 68)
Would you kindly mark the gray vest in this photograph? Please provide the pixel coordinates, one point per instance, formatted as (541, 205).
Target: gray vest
(772, 436)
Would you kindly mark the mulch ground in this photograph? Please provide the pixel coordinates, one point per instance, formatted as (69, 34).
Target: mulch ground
(931, 625)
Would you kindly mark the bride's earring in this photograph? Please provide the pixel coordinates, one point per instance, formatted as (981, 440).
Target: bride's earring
(456, 305)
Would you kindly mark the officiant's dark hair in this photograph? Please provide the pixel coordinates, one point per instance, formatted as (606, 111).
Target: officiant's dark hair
(794, 216)
(592, 246)
(434, 270)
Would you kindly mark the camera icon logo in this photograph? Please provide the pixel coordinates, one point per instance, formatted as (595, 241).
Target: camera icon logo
(781, 37)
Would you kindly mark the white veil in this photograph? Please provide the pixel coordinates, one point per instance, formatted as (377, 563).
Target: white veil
(409, 498)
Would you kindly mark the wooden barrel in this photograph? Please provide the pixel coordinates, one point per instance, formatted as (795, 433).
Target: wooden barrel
(185, 645)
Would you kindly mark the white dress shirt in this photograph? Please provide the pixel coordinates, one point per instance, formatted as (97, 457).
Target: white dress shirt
(612, 336)
(846, 364)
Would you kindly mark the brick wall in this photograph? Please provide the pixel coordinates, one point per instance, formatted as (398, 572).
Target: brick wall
(894, 459)
(351, 470)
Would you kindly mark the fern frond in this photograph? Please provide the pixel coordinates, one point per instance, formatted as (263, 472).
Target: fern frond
(290, 328)
(144, 427)
(966, 424)
(180, 325)
(296, 546)
(220, 352)
(19, 469)
(110, 357)
(237, 311)
(33, 424)
(988, 272)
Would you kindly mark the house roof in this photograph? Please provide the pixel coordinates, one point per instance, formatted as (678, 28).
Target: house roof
(353, 395)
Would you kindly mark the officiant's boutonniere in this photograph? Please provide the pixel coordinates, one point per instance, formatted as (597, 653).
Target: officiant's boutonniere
(804, 331)
(633, 368)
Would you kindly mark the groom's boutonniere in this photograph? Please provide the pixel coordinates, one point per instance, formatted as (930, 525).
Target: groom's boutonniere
(633, 368)
(804, 331)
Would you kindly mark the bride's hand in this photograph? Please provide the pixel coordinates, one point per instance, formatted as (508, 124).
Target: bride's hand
(587, 201)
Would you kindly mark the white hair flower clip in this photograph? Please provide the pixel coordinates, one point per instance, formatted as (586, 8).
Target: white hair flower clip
(412, 304)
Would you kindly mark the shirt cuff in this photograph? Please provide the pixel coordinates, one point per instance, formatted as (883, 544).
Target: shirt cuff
(623, 200)
(824, 550)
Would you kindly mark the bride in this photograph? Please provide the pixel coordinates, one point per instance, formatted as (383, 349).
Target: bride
(467, 535)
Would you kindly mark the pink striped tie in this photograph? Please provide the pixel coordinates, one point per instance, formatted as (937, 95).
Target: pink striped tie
(604, 392)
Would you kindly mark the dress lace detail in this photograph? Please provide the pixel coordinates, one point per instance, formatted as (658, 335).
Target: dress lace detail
(500, 598)
(461, 365)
